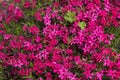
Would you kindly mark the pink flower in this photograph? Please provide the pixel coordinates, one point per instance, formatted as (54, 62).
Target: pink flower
(18, 13)
(34, 3)
(40, 79)
(38, 16)
(117, 2)
(16, 63)
(34, 30)
(7, 36)
(54, 14)
(99, 75)
(111, 73)
(107, 62)
(11, 7)
(77, 60)
(3, 56)
(69, 51)
(17, 1)
(103, 13)
(48, 76)
(47, 19)
(25, 27)
(25, 72)
(42, 55)
(27, 4)
(27, 44)
(37, 39)
(53, 42)
(88, 74)
(111, 37)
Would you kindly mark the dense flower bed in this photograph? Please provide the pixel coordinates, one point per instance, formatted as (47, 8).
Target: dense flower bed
(58, 40)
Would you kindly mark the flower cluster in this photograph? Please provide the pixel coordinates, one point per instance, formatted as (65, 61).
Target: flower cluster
(58, 40)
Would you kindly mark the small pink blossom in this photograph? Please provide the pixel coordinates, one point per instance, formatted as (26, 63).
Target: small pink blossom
(38, 16)
(47, 19)
(7, 36)
(27, 4)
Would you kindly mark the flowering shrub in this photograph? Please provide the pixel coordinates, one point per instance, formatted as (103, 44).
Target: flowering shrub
(58, 40)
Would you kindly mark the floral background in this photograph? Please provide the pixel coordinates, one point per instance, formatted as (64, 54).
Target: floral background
(59, 40)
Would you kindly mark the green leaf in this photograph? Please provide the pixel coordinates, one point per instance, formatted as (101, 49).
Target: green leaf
(70, 16)
(31, 64)
(82, 25)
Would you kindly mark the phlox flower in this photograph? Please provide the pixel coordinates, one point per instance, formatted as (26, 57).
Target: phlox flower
(34, 29)
(18, 13)
(107, 62)
(7, 36)
(99, 75)
(47, 19)
(27, 4)
(111, 73)
(17, 1)
(16, 63)
(27, 44)
(38, 16)
(37, 39)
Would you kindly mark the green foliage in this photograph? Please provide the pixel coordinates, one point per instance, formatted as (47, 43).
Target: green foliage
(13, 28)
(115, 44)
(70, 16)
(1, 73)
(82, 25)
